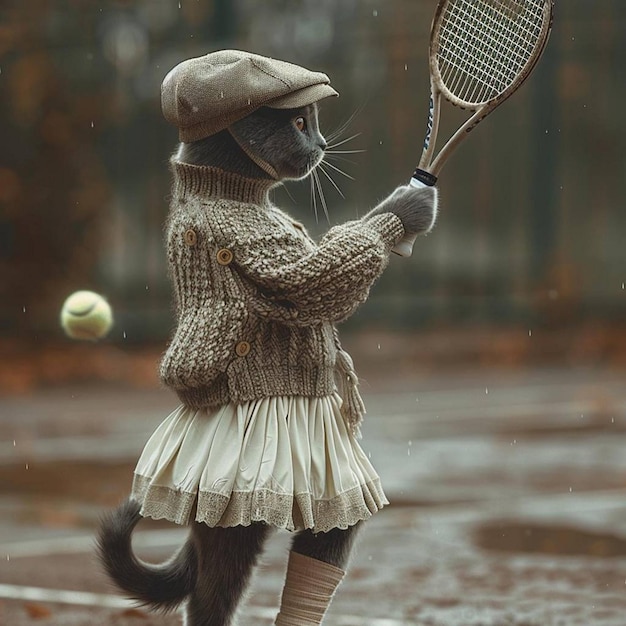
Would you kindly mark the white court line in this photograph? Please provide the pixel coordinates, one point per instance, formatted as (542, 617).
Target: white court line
(61, 596)
(86, 543)
(144, 539)
(106, 601)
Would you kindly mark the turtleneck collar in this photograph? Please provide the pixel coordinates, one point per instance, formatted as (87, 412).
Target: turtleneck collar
(212, 182)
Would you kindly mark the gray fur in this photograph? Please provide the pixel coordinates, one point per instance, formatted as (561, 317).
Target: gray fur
(211, 571)
(415, 206)
(271, 135)
(160, 587)
(333, 547)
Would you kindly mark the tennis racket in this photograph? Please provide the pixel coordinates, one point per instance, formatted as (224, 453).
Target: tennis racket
(481, 51)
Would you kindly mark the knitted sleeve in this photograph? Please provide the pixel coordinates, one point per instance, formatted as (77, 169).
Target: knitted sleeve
(329, 282)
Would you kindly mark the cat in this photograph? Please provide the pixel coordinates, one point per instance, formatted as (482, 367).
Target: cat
(212, 569)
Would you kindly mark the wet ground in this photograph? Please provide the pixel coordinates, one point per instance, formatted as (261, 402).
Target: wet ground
(507, 489)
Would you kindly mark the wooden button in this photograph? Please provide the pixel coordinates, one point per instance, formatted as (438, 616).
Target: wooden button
(242, 348)
(224, 256)
(191, 239)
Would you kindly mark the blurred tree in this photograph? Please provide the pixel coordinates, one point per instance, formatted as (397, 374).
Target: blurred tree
(53, 186)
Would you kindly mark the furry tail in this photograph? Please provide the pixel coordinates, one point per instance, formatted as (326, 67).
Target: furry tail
(160, 587)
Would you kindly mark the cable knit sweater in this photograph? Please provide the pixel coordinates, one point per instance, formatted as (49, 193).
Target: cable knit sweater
(256, 298)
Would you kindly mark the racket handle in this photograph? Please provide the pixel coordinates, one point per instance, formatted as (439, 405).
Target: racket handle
(420, 178)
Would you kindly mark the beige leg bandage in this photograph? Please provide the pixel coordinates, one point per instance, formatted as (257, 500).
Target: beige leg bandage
(309, 588)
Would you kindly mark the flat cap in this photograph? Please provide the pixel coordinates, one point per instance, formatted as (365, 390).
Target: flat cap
(204, 95)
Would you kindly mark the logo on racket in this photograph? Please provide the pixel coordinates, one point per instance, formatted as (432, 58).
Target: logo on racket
(429, 126)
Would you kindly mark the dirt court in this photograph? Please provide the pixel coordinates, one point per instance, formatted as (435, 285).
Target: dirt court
(507, 494)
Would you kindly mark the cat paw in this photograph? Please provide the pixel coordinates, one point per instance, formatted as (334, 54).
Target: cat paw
(415, 207)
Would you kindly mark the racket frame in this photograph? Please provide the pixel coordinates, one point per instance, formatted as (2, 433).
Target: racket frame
(428, 169)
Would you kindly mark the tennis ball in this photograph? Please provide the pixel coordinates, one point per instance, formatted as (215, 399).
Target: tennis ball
(86, 315)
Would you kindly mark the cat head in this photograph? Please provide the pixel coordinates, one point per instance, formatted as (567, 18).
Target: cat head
(283, 144)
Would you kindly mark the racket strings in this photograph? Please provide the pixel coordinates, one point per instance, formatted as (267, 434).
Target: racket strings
(491, 68)
(488, 61)
(486, 53)
(483, 45)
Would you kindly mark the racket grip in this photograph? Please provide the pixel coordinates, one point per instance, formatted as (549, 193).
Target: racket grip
(420, 178)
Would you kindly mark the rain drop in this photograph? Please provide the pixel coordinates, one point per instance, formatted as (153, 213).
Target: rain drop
(530, 333)
(14, 444)
(486, 391)
(147, 288)
(124, 334)
(26, 465)
(623, 286)
(375, 13)
(24, 309)
(379, 346)
(91, 123)
(571, 489)
(406, 67)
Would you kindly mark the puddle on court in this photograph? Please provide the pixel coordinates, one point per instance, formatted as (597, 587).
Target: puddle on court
(94, 482)
(544, 539)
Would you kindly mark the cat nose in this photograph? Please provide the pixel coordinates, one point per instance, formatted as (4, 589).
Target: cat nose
(322, 143)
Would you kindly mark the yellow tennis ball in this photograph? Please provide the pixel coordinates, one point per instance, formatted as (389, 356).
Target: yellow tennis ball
(86, 315)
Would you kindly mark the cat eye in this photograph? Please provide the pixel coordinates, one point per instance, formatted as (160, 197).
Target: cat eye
(300, 123)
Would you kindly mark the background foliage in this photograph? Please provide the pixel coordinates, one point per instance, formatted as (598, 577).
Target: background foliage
(532, 225)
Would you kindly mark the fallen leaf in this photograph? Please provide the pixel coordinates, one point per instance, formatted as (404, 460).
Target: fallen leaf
(37, 611)
(134, 613)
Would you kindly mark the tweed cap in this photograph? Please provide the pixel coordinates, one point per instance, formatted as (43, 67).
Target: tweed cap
(204, 95)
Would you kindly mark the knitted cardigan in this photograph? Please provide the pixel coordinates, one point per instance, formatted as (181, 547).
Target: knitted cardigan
(257, 299)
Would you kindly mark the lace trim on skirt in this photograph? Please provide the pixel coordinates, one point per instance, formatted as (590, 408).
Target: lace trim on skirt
(263, 505)
(291, 462)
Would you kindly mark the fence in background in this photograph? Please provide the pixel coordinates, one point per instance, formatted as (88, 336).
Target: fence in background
(532, 222)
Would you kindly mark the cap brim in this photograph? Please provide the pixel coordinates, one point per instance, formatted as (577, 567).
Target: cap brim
(302, 97)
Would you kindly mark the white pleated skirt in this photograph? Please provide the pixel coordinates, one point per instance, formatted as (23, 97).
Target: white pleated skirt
(290, 462)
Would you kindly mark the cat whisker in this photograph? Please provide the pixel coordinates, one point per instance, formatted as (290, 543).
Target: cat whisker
(344, 151)
(335, 157)
(321, 193)
(333, 183)
(340, 143)
(343, 127)
(340, 171)
(313, 198)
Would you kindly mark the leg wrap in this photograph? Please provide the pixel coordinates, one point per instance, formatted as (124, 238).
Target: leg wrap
(309, 589)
